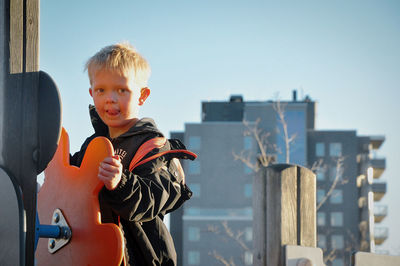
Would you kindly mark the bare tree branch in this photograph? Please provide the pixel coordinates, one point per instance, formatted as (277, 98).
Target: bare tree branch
(245, 158)
(227, 232)
(350, 246)
(261, 139)
(317, 165)
(280, 110)
(338, 174)
(237, 238)
(221, 259)
(331, 256)
(263, 146)
(353, 243)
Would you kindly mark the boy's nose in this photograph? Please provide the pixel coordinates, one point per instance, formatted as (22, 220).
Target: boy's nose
(111, 97)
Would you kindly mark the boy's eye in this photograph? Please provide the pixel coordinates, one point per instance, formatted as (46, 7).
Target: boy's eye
(99, 90)
(122, 90)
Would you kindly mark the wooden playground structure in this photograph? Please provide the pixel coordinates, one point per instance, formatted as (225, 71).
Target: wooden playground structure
(284, 208)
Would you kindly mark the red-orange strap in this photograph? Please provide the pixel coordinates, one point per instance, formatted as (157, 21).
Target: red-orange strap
(159, 155)
(145, 148)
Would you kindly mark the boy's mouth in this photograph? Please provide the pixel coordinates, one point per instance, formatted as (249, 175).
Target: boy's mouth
(112, 112)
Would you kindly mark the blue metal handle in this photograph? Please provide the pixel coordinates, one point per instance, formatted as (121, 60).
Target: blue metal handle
(47, 231)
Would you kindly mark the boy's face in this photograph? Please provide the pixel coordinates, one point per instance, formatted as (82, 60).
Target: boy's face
(117, 99)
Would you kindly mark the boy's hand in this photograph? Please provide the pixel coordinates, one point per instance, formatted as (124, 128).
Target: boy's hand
(110, 172)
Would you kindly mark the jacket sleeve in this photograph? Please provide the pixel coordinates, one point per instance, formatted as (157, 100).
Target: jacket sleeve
(151, 189)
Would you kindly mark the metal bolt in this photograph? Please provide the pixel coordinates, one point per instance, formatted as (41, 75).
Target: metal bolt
(65, 232)
(56, 218)
(52, 243)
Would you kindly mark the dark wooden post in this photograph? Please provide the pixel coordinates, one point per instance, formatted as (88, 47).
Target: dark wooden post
(284, 212)
(19, 103)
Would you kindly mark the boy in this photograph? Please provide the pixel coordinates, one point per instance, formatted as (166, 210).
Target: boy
(138, 191)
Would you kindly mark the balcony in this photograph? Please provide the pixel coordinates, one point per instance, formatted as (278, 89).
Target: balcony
(376, 141)
(380, 212)
(379, 190)
(379, 166)
(381, 234)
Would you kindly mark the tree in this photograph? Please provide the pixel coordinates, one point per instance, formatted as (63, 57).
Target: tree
(265, 155)
(264, 147)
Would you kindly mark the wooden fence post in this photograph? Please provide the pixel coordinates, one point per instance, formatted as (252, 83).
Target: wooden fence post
(284, 211)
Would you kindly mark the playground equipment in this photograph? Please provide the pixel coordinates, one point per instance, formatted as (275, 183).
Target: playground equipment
(29, 128)
(24, 147)
(69, 198)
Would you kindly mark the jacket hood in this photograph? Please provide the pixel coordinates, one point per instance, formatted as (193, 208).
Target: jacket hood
(142, 126)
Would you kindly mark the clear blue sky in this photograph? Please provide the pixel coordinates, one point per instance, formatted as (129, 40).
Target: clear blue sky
(343, 54)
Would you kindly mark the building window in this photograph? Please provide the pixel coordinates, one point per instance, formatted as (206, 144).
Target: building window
(336, 196)
(321, 218)
(337, 262)
(247, 142)
(322, 241)
(248, 234)
(335, 149)
(194, 257)
(194, 167)
(227, 212)
(195, 188)
(247, 170)
(248, 190)
(193, 233)
(320, 174)
(320, 195)
(194, 143)
(320, 149)
(337, 242)
(192, 211)
(337, 218)
(248, 258)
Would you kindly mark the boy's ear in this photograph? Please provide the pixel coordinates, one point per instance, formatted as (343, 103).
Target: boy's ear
(144, 93)
(90, 92)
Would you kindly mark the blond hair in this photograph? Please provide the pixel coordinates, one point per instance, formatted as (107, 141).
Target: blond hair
(122, 58)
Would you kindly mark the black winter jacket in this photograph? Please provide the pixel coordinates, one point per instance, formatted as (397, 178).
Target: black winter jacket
(143, 196)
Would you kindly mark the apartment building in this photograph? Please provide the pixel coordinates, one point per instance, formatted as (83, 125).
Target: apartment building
(216, 224)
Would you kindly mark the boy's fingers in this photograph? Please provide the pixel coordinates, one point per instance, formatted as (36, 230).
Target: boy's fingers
(109, 180)
(108, 160)
(108, 168)
(112, 160)
(105, 178)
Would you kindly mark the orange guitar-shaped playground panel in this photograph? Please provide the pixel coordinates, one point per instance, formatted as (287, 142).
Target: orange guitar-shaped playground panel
(75, 191)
